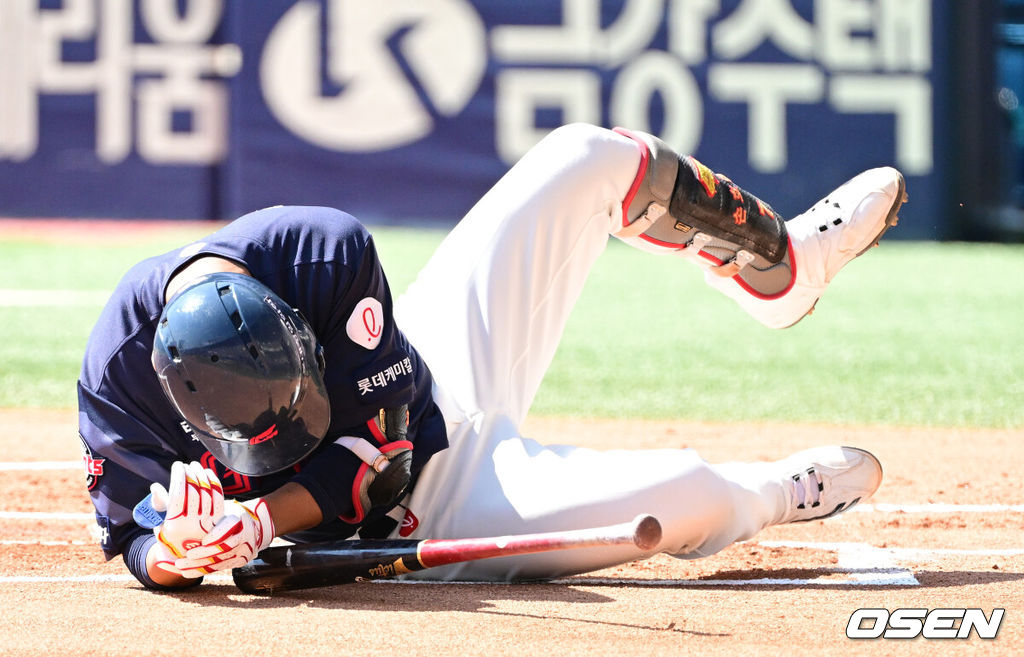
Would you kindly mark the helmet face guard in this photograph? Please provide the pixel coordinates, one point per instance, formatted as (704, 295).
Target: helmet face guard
(244, 369)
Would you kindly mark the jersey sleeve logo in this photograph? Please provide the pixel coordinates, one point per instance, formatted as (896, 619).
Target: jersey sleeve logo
(93, 467)
(366, 323)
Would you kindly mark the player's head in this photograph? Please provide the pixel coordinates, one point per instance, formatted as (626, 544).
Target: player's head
(245, 371)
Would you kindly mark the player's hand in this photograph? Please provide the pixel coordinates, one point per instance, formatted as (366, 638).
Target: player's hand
(193, 502)
(246, 529)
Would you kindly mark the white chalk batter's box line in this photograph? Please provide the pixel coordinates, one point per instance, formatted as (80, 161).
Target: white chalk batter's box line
(859, 564)
(935, 509)
(31, 466)
(42, 543)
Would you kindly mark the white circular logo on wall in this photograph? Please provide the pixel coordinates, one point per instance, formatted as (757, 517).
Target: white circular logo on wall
(397, 64)
(366, 323)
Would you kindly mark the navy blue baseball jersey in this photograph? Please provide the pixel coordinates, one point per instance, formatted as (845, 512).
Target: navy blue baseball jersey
(321, 261)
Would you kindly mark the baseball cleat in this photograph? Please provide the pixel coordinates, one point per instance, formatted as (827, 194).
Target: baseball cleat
(821, 482)
(826, 237)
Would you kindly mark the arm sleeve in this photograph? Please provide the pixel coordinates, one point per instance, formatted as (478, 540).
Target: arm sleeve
(135, 558)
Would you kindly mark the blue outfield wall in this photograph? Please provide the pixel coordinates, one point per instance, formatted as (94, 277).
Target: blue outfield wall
(410, 109)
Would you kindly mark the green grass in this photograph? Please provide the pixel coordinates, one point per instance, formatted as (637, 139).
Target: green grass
(914, 334)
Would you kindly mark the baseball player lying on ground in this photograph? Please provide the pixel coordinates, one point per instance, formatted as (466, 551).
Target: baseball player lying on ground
(260, 383)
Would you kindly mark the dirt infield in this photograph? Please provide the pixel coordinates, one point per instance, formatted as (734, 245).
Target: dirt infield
(944, 531)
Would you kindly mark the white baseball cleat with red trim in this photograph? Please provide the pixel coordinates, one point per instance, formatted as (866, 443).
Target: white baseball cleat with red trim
(823, 481)
(822, 240)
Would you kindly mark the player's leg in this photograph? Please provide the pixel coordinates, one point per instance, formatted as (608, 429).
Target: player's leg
(776, 270)
(509, 485)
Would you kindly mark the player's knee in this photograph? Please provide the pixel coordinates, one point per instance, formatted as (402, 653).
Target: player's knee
(584, 140)
(589, 155)
(577, 132)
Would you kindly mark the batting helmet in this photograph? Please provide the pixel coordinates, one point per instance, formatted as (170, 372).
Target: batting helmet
(245, 371)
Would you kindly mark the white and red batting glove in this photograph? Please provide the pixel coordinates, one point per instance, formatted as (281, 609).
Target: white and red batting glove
(193, 502)
(236, 539)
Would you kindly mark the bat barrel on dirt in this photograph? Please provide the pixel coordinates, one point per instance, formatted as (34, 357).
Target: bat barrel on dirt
(313, 565)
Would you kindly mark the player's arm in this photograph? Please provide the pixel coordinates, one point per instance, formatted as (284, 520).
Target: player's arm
(293, 509)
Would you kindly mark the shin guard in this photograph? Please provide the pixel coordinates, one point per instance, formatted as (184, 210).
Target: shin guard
(677, 203)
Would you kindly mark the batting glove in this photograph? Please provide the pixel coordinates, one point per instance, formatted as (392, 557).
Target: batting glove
(236, 539)
(193, 503)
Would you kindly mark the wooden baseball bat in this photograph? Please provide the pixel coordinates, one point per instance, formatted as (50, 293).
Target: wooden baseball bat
(289, 568)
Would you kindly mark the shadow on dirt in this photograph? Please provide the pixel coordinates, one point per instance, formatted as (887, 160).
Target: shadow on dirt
(389, 596)
(484, 598)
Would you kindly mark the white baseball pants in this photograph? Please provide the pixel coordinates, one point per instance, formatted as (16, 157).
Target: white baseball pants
(487, 313)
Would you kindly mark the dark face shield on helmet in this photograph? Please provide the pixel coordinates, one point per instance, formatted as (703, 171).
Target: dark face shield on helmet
(244, 370)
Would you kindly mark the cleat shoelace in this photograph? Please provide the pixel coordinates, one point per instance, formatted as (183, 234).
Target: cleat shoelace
(807, 488)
